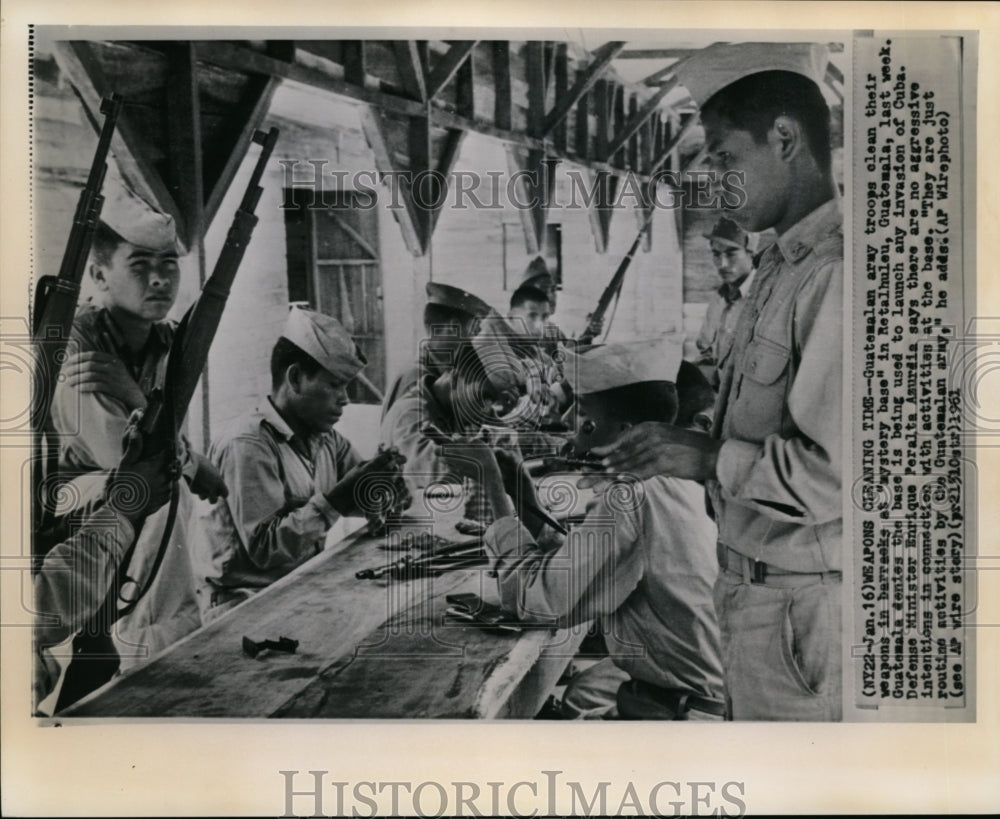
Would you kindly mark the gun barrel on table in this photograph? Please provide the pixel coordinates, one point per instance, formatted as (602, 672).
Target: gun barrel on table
(459, 555)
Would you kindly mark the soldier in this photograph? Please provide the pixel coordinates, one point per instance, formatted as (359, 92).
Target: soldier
(650, 585)
(773, 470)
(731, 254)
(451, 316)
(290, 474)
(529, 312)
(121, 342)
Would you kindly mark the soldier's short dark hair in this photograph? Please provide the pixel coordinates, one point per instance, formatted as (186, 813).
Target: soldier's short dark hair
(284, 355)
(663, 401)
(752, 103)
(694, 394)
(526, 294)
(641, 401)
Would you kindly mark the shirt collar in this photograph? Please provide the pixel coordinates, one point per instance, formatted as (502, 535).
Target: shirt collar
(270, 413)
(160, 334)
(798, 241)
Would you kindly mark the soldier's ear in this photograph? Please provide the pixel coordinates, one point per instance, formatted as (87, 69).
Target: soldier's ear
(97, 274)
(789, 138)
(293, 376)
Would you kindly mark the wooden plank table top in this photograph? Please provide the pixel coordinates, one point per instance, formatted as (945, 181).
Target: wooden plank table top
(367, 649)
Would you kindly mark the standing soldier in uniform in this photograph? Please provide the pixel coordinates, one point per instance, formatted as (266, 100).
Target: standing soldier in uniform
(773, 469)
(731, 255)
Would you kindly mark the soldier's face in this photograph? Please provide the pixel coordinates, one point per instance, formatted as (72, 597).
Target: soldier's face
(529, 318)
(731, 261)
(766, 178)
(140, 282)
(320, 400)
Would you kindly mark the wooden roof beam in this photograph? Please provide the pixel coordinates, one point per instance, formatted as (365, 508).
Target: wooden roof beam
(448, 66)
(637, 120)
(412, 68)
(82, 68)
(583, 84)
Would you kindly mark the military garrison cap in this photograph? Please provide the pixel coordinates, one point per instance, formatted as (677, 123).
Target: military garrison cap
(708, 71)
(536, 274)
(456, 298)
(326, 340)
(607, 366)
(729, 233)
(137, 223)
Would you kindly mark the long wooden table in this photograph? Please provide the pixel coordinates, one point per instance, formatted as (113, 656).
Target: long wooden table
(366, 649)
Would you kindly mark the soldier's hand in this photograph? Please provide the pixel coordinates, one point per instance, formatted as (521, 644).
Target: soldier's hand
(473, 459)
(207, 482)
(137, 490)
(103, 373)
(377, 482)
(652, 448)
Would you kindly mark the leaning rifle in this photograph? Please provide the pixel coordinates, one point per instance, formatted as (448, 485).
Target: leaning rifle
(167, 407)
(54, 307)
(57, 296)
(595, 319)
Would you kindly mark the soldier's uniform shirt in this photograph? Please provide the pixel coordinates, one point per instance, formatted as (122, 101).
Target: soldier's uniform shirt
(646, 569)
(402, 428)
(276, 516)
(715, 339)
(91, 426)
(778, 494)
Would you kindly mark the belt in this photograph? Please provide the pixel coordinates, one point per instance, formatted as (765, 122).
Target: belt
(758, 572)
(680, 702)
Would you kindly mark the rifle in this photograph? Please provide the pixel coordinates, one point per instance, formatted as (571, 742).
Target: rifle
(52, 321)
(168, 405)
(613, 289)
(157, 427)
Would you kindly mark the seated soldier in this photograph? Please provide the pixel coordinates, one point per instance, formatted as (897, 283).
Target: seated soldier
(290, 474)
(439, 427)
(451, 316)
(651, 575)
(120, 346)
(529, 311)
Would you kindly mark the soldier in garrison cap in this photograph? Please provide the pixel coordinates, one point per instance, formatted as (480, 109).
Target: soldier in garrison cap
(773, 466)
(651, 589)
(451, 316)
(537, 276)
(291, 475)
(730, 246)
(119, 346)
